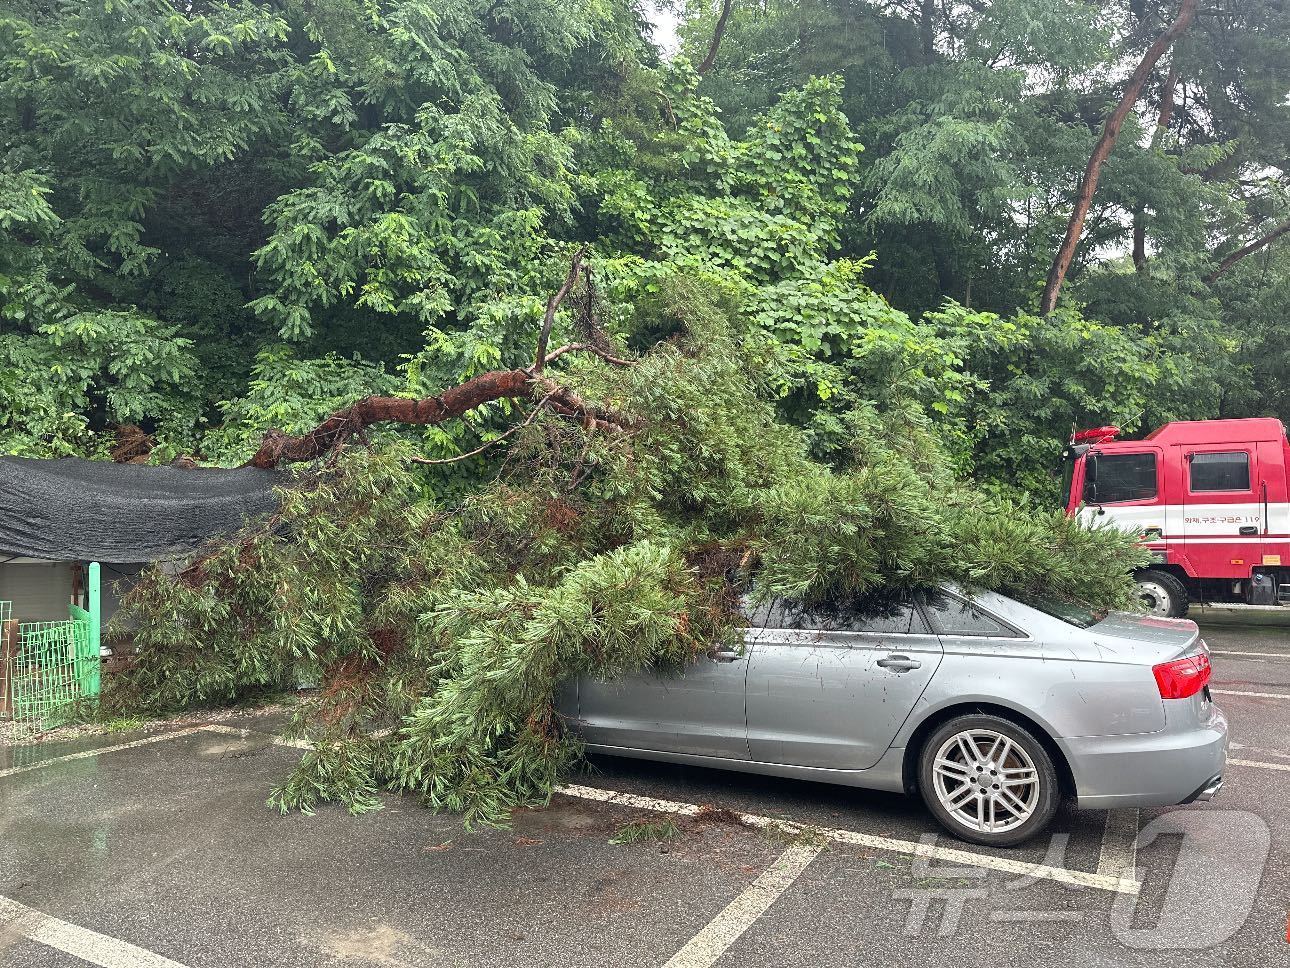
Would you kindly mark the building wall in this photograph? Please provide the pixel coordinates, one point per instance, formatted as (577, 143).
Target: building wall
(40, 592)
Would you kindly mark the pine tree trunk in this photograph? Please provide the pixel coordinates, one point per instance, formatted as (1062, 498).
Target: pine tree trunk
(1162, 125)
(1102, 150)
(717, 33)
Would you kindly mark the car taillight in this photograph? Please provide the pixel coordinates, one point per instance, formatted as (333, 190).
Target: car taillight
(1182, 677)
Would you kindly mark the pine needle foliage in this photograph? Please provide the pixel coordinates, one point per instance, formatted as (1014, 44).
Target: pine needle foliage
(442, 633)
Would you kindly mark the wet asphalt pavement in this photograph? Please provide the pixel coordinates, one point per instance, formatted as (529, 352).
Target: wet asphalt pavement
(163, 853)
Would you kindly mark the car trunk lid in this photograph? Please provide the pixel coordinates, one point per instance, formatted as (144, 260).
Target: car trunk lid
(1146, 639)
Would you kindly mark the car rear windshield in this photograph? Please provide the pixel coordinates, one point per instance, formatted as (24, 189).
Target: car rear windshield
(1072, 613)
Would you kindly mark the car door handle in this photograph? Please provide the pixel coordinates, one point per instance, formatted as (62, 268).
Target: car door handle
(1248, 530)
(725, 655)
(899, 663)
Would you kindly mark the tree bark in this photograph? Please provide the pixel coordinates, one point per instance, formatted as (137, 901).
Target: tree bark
(1249, 249)
(718, 32)
(1102, 150)
(927, 30)
(277, 447)
(1162, 125)
(552, 304)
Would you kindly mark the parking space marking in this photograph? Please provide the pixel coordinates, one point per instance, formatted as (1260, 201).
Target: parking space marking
(97, 949)
(1254, 655)
(275, 740)
(629, 800)
(1262, 766)
(87, 754)
(953, 855)
(706, 947)
(1256, 695)
(1118, 854)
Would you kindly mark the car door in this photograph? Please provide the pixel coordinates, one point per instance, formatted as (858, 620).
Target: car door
(830, 687)
(697, 710)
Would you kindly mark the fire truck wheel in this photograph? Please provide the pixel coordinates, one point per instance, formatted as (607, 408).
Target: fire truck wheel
(1162, 593)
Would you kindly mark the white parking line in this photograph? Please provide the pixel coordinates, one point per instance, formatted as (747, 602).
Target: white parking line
(295, 744)
(97, 949)
(1262, 766)
(1255, 655)
(931, 851)
(1256, 695)
(706, 947)
(1118, 854)
(88, 754)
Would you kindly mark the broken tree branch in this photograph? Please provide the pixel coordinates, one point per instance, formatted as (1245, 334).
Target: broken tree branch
(587, 348)
(1102, 150)
(718, 32)
(487, 444)
(1248, 249)
(279, 448)
(552, 304)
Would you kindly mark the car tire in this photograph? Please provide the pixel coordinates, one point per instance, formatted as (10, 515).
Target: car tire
(1162, 593)
(966, 794)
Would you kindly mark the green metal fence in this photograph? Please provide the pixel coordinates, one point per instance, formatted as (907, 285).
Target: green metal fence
(53, 666)
(7, 630)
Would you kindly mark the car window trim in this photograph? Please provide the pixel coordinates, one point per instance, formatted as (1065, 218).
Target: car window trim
(886, 636)
(922, 611)
(857, 641)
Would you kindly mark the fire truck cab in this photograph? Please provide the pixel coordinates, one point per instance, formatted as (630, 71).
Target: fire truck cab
(1209, 498)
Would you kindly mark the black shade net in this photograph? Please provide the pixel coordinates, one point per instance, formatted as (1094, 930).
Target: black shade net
(77, 510)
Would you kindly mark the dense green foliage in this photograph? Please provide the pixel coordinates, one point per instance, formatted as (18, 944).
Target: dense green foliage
(388, 187)
(225, 216)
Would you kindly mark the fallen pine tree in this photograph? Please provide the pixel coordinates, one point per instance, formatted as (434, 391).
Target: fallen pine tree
(636, 501)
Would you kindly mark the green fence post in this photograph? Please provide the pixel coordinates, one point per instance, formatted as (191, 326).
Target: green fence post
(96, 622)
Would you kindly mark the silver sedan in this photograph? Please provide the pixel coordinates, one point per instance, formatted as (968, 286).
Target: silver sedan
(991, 709)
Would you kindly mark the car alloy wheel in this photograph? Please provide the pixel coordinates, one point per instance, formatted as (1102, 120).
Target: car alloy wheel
(985, 781)
(988, 780)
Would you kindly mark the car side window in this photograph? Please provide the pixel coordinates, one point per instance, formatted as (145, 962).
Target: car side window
(953, 616)
(784, 613)
(754, 613)
(883, 613)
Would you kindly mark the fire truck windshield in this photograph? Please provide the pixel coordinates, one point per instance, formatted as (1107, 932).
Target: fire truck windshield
(1112, 478)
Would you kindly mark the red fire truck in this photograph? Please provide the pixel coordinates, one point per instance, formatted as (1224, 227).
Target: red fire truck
(1208, 497)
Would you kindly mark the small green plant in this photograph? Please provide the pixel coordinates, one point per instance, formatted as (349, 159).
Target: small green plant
(788, 834)
(642, 831)
(124, 724)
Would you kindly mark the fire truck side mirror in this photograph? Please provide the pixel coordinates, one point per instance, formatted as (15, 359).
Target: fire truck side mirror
(1090, 479)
